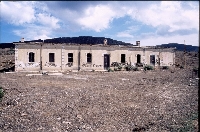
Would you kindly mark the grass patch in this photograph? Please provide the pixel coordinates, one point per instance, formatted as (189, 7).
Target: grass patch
(188, 125)
(148, 67)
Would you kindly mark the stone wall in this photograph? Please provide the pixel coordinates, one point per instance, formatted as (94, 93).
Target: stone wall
(61, 51)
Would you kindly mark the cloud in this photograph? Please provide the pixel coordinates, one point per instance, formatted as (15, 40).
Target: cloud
(151, 39)
(17, 13)
(169, 13)
(32, 18)
(97, 18)
(129, 33)
(124, 35)
(138, 20)
(31, 32)
(47, 20)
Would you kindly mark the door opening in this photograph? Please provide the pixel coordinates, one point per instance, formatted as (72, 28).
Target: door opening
(138, 58)
(106, 61)
(152, 59)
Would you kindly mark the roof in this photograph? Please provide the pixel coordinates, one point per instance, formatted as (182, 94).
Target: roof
(82, 40)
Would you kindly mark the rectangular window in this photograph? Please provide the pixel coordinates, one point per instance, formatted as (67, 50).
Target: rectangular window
(51, 57)
(31, 57)
(89, 57)
(70, 57)
(123, 58)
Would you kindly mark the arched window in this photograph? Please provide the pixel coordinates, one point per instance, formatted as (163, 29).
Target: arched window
(31, 57)
(89, 57)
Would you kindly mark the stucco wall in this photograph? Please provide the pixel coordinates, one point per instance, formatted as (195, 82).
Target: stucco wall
(80, 56)
(22, 59)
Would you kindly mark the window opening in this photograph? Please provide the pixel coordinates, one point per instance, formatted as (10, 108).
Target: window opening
(70, 57)
(89, 57)
(51, 57)
(31, 57)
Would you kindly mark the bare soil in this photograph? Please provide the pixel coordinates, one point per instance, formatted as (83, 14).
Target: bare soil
(156, 101)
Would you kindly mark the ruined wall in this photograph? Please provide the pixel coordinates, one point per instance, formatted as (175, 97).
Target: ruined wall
(22, 58)
(51, 48)
(167, 58)
(61, 59)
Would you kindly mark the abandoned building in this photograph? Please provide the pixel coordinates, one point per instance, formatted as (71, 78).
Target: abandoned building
(85, 53)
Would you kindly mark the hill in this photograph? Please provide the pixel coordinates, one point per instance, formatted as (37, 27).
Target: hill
(180, 47)
(6, 45)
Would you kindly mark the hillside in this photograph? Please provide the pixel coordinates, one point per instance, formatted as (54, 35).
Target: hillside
(180, 47)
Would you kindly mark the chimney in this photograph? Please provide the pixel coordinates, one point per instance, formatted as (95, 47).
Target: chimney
(138, 43)
(22, 39)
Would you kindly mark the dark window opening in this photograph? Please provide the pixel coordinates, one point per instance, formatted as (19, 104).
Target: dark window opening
(123, 58)
(51, 57)
(31, 57)
(138, 58)
(89, 57)
(70, 57)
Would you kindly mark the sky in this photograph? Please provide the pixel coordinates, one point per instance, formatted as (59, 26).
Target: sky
(150, 22)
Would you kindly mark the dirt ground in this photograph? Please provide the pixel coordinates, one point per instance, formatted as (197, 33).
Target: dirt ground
(155, 101)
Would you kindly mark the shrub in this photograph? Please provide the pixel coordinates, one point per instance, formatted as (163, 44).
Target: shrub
(110, 70)
(139, 64)
(1, 93)
(116, 69)
(131, 68)
(165, 67)
(119, 67)
(195, 69)
(188, 125)
(148, 67)
(181, 67)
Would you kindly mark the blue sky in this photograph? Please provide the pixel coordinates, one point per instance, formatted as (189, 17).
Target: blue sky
(150, 22)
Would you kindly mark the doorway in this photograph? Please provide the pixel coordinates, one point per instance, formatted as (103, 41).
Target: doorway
(138, 58)
(106, 61)
(152, 59)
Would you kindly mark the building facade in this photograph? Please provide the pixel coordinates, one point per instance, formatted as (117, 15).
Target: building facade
(62, 57)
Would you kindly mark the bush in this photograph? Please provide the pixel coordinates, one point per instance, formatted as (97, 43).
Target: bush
(148, 67)
(139, 64)
(131, 68)
(181, 67)
(119, 67)
(1, 93)
(195, 69)
(165, 67)
(110, 70)
(116, 69)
